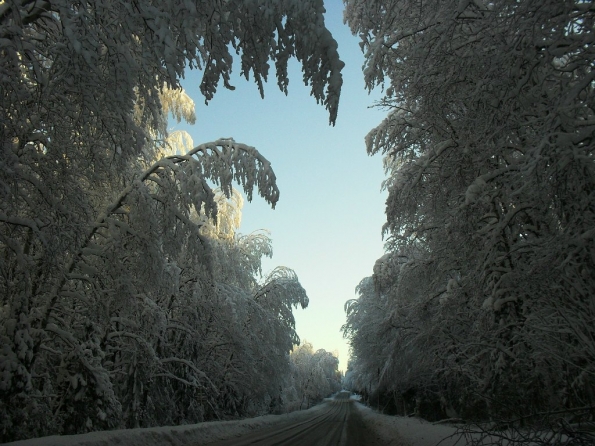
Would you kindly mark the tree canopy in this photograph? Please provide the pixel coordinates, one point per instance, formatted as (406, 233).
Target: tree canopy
(479, 309)
(128, 297)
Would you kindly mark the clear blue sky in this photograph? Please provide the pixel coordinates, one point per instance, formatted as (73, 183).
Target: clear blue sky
(327, 224)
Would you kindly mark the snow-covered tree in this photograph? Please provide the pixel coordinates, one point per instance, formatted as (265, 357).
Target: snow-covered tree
(108, 267)
(66, 62)
(151, 309)
(488, 147)
(315, 375)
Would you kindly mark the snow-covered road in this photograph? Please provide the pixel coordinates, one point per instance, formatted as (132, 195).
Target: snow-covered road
(339, 421)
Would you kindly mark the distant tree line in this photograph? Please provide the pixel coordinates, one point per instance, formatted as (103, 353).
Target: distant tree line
(315, 375)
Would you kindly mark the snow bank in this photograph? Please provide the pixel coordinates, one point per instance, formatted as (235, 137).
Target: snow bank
(406, 431)
(196, 434)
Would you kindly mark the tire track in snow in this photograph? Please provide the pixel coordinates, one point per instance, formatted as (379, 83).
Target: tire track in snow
(338, 425)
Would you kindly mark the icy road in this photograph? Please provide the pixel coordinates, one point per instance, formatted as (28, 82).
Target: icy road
(339, 423)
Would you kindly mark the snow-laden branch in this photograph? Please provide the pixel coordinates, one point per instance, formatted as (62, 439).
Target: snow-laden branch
(219, 161)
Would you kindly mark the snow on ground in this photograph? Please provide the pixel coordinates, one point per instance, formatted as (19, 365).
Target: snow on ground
(170, 435)
(406, 431)
(392, 431)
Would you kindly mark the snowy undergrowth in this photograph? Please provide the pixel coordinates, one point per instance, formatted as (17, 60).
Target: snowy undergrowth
(406, 431)
(196, 434)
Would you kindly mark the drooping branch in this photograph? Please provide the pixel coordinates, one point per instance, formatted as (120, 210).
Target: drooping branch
(233, 163)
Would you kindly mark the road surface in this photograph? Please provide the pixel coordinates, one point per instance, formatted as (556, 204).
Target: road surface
(338, 424)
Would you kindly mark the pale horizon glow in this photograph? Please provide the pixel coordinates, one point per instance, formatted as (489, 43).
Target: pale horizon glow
(327, 225)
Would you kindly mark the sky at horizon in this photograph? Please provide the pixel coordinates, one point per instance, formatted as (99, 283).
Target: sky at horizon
(327, 225)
